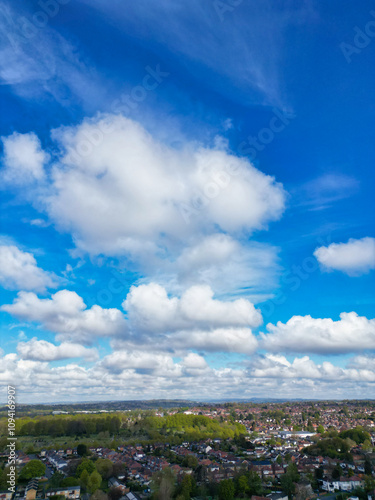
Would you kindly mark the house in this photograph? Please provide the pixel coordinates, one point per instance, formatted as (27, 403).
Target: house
(31, 489)
(6, 495)
(115, 483)
(343, 484)
(72, 492)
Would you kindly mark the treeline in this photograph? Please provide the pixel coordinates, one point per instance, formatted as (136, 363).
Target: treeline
(193, 427)
(62, 426)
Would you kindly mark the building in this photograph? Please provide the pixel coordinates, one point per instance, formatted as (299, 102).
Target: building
(6, 495)
(31, 489)
(73, 492)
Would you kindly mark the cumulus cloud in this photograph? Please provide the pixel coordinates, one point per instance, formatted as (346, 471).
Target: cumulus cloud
(356, 257)
(352, 333)
(142, 362)
(24, 159)
(128, 375)
(19, 270)
(41, 350)
(153, 192)
(194, 320)
(150, 309)
(271, 366)
(66, 314)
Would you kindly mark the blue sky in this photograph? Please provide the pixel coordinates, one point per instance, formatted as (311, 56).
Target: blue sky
(187, 193)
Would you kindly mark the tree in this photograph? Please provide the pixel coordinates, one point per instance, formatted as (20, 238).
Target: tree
(84, 478)
(85, 464)
(242, 485)
(119, 469)
(366, 446)
(190, 461)
(104, 467)
(254, 483)
(99, 495)
(187, 486)
(287, 485)
(82, 450)
(163, 484)
(369, 484)
(95, 480)
(289, 479)
(336, 473)
(319, 473)
(69, 481)
(368, 467)
(226, 490)
(34, 468)
(320, 429)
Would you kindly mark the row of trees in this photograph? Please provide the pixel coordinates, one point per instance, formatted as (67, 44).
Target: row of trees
(59, 426)
(194, 427)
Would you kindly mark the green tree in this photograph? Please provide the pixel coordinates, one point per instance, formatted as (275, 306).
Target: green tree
(86, 464)
(287, 485)
(190, 461)
(289, 479)
(82, 450)
(34, 468)
(226, 489)
(84, 478)
(369, 484)
(104, 467)
(242, 485)
(187, 486)
(94, 482)
(368, 467)
(320, 429)
(336, 473)
(254, 482)
(366, 446)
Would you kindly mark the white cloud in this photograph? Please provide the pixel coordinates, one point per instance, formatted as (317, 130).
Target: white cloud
(150, 309)
(305, 368)
(67, 315)
(19, 270)
(142, 362)
(225, 264)
(356, 257)
(229, 339)
(24, 159)
(323, 191)
(193, 321)
(41, 350)
(352, 333)
(130, 375)
(38, 63)
(157, 196)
